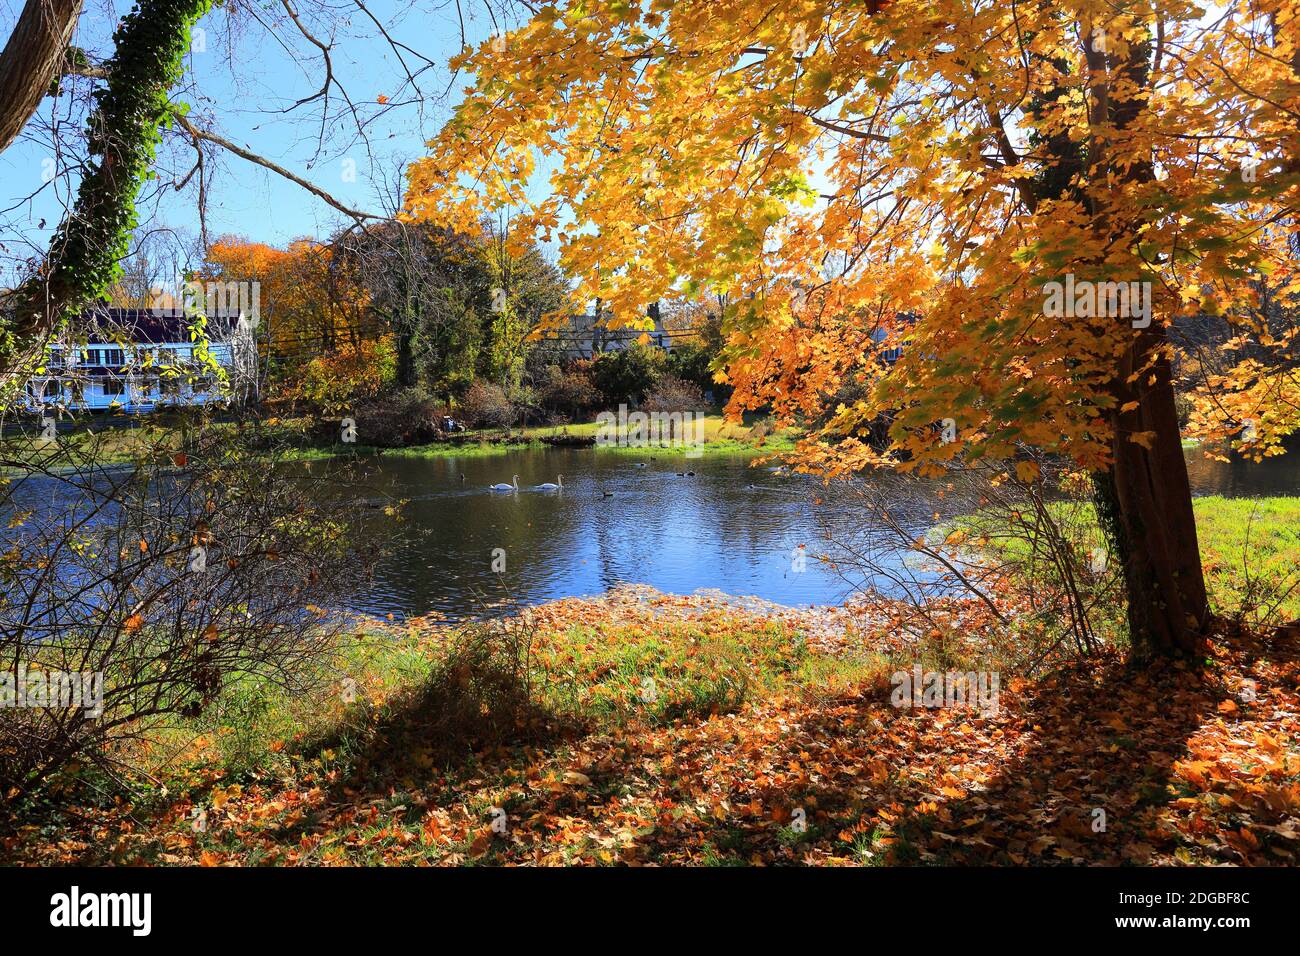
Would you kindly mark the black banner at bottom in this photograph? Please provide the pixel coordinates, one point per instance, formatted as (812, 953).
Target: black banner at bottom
(144, 907)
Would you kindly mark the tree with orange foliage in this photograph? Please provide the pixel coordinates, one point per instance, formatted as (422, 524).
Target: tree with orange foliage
(307, 308)
(1025, 197)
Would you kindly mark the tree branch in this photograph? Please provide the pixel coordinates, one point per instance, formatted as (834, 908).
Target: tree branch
(262, 161)
(847, 131)
(31, 60)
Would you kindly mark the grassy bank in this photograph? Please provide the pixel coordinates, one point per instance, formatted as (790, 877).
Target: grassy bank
(602, 733)
(105, 446)
(294, 438)
(1250, 550)
(720, 438)
(436, 726)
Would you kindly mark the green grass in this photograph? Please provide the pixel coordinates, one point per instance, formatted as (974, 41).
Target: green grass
(473, 449)
(682, 671)
(147, 437)
(1250, 549)
(720, 435)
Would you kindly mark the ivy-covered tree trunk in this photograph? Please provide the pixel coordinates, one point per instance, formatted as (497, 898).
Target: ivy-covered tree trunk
(123, 133)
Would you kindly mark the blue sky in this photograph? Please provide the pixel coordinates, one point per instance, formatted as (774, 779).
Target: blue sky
(247, 79)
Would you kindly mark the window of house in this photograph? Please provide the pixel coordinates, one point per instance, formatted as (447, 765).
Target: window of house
(114, 358)
(93, 356)
(113, 387)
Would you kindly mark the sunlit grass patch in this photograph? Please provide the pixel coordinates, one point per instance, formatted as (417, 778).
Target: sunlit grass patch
(679, 671)
(1250, 548)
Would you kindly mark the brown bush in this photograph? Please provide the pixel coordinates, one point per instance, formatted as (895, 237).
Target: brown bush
(569, 391)
(674, 395)
(487, 406)
(480, 694)
(409, 417)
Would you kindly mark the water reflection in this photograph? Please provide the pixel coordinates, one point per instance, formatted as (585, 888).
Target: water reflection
(730, 526)
(1239, 478)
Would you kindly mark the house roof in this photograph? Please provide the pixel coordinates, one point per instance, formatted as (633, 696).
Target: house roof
(105, 324)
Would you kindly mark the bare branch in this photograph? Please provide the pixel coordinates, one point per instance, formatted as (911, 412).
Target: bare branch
(252, 157)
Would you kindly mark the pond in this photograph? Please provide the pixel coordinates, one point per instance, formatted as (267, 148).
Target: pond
(626, 519)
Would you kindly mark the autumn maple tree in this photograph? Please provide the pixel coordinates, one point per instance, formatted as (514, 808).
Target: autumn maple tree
(309, 308)
(861, 176)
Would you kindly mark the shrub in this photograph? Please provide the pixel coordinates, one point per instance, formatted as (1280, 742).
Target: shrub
(331, 383)
(674, 395)
(479, 693)
(487, 406)
(625, 377)
(408, 417)
(570, 392)
(690, 363)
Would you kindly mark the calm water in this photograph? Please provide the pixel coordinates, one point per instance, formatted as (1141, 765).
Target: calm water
(731, 526)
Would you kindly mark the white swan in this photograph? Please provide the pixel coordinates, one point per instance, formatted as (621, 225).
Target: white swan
(552, 486)
(502, 486)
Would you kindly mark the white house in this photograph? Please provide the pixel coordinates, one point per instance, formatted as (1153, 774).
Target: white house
(137, 360)
(880, 336)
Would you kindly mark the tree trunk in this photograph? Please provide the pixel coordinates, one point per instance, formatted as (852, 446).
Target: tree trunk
(122, 133)
(31, 60)
(1145, 501)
